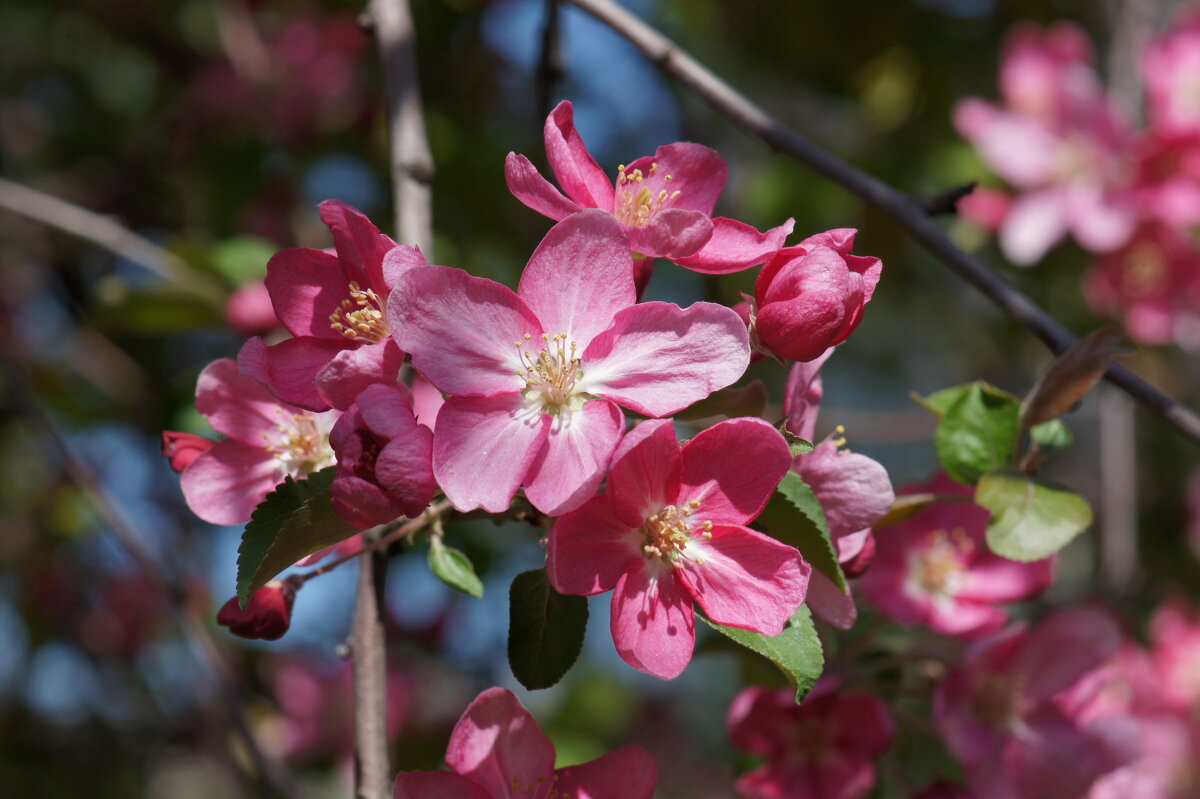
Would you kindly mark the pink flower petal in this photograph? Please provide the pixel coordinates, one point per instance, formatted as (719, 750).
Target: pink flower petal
(307, 286)
(854, 490)
(579, 277)
(731, 469)
(225, 484)
(735, 246)
(697, 172)
(484, 447)
(404, 469)
(995, 579)
(578, 173)
(290, 367)
(497, 744)
(427, 400)
(653, 625)
(440, 784)
(528, 186)
(462, 331)
(352, 371)
(761, 719)
(802, 395)
(387, 409)
(745, 579)
(236, 404)
(830, 602)
(1036, 221)
(627, 773)
(399, 261)
(645, 471)
(360, 245)
(574, 457)
(1063, 648)
(657, 358)
(672, 233)
(589, 549)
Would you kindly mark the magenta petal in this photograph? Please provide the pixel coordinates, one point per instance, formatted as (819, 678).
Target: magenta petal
(830, 602)
(236, 404)
(497, 744)
(589, 549)
(735, 246)
(405, 469)
(574, 457)
(657, 358)
(427, 400)
(225, 484)
(995, 579)
(672, 233)
(399, 261)
(1063, 648)
(462, 331)
(627, 773)
(290, 367)
(653, 625)
(578, 173)
(731, 470)
(363, 503)
(854, 490)
(745, 579)
(387, 409)
(802, 396)
(645, 471)
(439, 784)
(306, 287)
(360, 245)
(352, 371)
(1054, 758)
(528, 186)
(483, 448)
(760, 720)
(579, 277)
(697, 172)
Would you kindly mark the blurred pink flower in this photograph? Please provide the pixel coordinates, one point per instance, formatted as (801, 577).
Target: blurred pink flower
(180, 449)
(1171, 70)
(497, 751)
(1175, 654)
(248, 310)
(986, 207)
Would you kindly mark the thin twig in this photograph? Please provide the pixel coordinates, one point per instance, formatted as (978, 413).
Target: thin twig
(947, 201)
(904, 210)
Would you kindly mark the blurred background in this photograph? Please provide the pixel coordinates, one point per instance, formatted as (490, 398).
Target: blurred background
(200, 134)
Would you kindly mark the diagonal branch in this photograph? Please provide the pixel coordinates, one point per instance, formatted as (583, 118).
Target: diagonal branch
(904, 210)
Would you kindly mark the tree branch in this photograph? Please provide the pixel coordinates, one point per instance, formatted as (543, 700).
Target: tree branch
(372, 769)
(550, 68)
(904, 210)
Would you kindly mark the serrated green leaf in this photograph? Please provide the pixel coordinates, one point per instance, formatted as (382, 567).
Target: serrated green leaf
(796, 651)
(1051, 436)
(292, 522)
(748, 400)
(545, 630)
(454, 568)
(978, 433)
(794, 516)
(1031, 518)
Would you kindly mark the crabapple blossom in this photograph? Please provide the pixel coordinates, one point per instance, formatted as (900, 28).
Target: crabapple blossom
(267, 616)
(1175, 655)
(811, 296)
(671, 530)
(537, 377)
(935, 569)
(1171, 71)
(180, 449)
(497, 751)
(249, 311)
(823, 748)
(267, 441)
(663, 202)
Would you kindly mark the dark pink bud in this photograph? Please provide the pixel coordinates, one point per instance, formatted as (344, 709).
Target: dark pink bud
(267, 616)
(183, 448)
(860, 562)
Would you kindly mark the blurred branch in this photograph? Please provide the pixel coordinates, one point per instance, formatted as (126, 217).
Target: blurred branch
(904, 210)
(947, 202)
(550, 69)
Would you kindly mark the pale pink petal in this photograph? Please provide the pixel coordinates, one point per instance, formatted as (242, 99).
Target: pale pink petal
(855, 491)
(1063, 648)
(290, 367)
(802, 395)
(645, 473)
(387, 409)
(578, 173)
(745, 579)
(404, 469)
(672, 233)
(307, 286)
(483, 448)
(1100, 222)
(497, 743)
(427, 400)
(735, 246)
(969, 620)
(574, 457)
(851, 545)
(830, 602)
(579, 277)
(528, 186)
(352, 371)
(439, 784)
(627, 773)
(590, 548)
(653, 625)
(225, 484)
(1036, 221)
(360, 245)
(236, 404)
(995, 579)
(731, 470)
(658, 358)
(399, 261)
(462, 331)
(697, 172)
(1054, 758)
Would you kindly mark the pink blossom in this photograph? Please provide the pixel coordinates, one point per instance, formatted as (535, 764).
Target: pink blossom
(1000, 713)
(268, 614)
(1171, 70)
(333, 305)
(384, 467)
(248, 310)
(671, 530)
(664, 202)
(811, 296)
(854, 492)
(1175, 654)
(823, 748)
(537, 377)
(267, 441)
(497, 751)
(986, 207)
(935, 569)
(180, 449)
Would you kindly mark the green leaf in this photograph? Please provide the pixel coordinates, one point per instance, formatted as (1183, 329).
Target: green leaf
(292, 522)
(242, 259)
(798, 445)
(939, 402)
(1031, 518)
(749, 400)
(795, 516)
(796, 651)
(1051, 436)
(122, 310)
(545, 630)
(453, 568)
(978, 433)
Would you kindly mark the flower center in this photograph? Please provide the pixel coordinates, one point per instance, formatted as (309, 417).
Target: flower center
(1145, 270)
(668, 532)
(360, 317)
(544, 786)
(938, 568)
(302, 447)
(636, 204)
(551, 373)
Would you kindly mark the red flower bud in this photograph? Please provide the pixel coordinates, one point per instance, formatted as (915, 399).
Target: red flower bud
(267, 616)
(183, 448)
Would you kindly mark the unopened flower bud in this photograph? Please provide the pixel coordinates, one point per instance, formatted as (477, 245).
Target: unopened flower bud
(267, 616)
(183, 448)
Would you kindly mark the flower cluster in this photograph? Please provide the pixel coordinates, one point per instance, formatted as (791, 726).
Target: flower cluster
(1078, 167)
